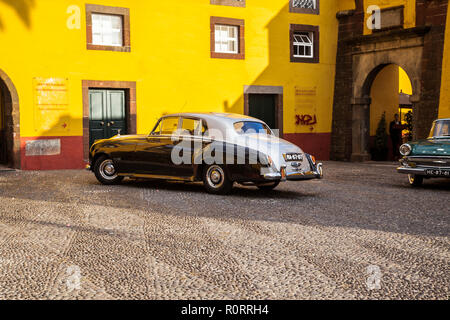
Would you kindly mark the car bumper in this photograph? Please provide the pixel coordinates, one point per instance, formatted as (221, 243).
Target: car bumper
(409, 170)
(283, 175)
(423, 171)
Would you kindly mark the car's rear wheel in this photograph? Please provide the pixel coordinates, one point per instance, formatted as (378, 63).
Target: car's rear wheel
(415, 180)
(106, 172)
(268, 186)
(216, 181)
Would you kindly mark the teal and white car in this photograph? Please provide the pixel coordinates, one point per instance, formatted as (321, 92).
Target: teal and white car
(429, 158)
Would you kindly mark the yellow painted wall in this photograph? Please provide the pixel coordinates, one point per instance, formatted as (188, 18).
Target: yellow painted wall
(346, 5)
(409, 12)
(405, 85)
(444, 106)
(384, 94)
(169, 59)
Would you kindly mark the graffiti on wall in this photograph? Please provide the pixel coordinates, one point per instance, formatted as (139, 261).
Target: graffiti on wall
(305, 119)
(305, 107)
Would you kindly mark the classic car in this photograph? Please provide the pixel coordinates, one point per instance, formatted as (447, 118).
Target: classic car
(216, 148)
(429, 158)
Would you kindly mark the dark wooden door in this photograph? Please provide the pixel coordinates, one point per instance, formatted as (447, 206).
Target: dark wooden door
(107, 114)
(263, 107)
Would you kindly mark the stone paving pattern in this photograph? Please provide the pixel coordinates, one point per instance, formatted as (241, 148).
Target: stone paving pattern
(161, 240)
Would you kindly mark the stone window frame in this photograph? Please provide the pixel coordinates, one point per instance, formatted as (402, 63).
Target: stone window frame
(130, 106)
(316, 42)
(231, 3)
(118, 11)
(401, 25)
(240, 23)
(305, 10)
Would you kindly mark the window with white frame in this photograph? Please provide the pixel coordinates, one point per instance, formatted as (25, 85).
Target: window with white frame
(226, 39)
(304, 4)
(303, 45)
(107, 30)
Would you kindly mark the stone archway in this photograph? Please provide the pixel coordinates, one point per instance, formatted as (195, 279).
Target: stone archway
(361, 57)
(368, 61)
(11, 115)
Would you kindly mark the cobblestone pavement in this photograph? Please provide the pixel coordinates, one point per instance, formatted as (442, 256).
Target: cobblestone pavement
(65, 236)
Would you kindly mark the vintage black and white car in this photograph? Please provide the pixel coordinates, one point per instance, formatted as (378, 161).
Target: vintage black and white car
(215, 148)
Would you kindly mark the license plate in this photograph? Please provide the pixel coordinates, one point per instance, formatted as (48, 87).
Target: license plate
(438, 172)
(293, 157)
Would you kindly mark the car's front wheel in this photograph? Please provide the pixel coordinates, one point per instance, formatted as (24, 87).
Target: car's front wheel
(216, 181)
(415, 180)
(106, 172)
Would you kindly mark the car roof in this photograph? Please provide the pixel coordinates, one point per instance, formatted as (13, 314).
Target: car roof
(446, 119)
(216, 117)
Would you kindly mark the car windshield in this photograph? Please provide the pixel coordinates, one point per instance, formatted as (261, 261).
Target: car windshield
(441, 129)
(247, 127)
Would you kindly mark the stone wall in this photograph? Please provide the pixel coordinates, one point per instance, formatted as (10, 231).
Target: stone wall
(360, 57)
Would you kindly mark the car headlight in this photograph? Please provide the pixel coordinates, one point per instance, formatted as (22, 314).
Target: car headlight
(405, 149)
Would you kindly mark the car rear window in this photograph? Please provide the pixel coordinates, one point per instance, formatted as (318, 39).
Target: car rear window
(246, 127)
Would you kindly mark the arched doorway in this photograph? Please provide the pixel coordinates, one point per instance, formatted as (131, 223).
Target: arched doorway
(9, 123)
(360, 57)
(390, 91)
(362, 118)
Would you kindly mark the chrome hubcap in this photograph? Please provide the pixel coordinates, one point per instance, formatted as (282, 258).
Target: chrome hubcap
(215, 176)
(107, 170)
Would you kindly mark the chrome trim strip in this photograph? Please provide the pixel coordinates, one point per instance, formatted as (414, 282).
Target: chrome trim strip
(408, 170)
(426, 157)
(155, 176)
(431, 168)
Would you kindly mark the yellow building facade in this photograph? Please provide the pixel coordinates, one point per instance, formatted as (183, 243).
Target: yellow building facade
(52, 70)
(168, 68)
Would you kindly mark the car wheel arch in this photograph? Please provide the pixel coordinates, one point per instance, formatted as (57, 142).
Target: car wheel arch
(98, 156)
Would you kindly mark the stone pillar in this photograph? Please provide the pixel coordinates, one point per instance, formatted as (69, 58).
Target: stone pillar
(360, 129)
(415, 100)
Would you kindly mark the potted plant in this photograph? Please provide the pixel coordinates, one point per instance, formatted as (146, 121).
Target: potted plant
(409, 126)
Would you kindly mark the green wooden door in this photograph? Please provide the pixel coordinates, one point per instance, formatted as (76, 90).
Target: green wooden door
(263, 107)
(106, 114)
